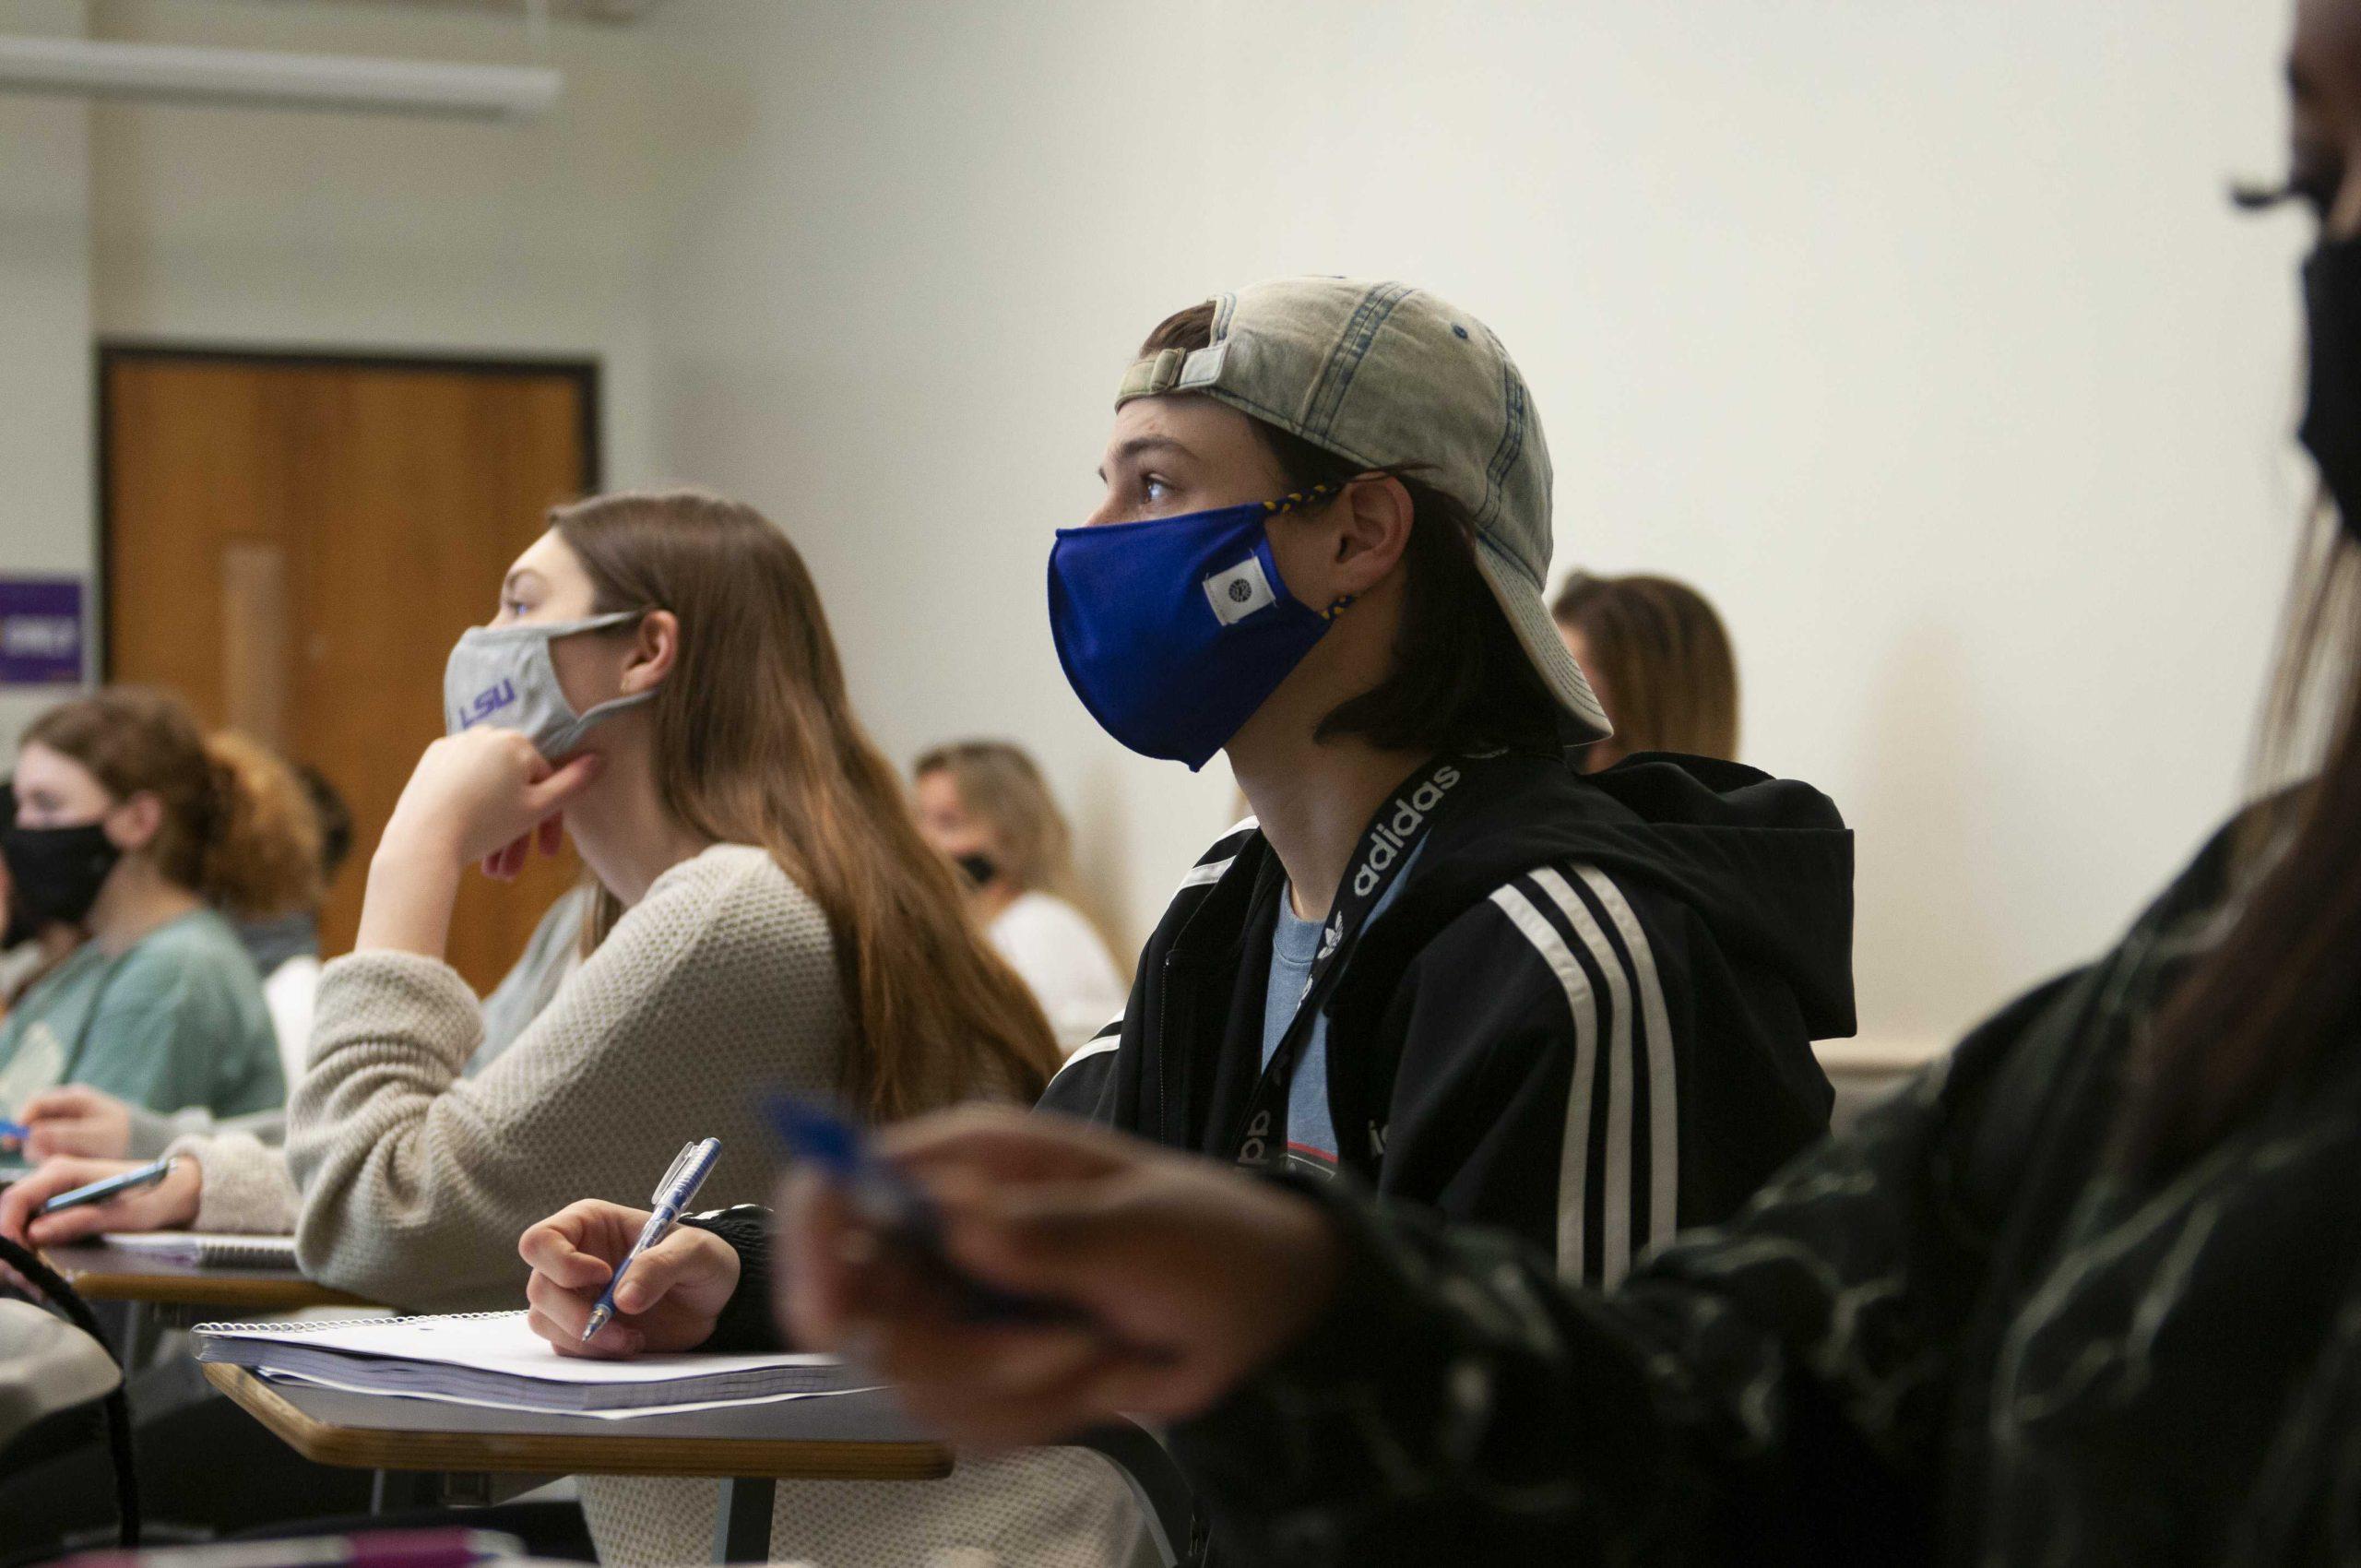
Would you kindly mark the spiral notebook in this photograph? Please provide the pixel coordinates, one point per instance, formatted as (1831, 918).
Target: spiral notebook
(494, 1359)
(206, 1247)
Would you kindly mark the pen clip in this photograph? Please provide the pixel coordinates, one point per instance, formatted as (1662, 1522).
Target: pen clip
(672, 1172)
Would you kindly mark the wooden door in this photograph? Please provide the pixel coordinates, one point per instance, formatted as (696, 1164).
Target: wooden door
(293, 543)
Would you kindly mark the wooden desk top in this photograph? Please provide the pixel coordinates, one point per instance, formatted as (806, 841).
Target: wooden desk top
(840, 1437)
(104, 1273)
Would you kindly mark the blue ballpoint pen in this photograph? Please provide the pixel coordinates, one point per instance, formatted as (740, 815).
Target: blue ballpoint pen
(675, 1193)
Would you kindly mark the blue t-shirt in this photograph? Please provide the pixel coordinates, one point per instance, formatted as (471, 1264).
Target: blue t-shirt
(1295, 945)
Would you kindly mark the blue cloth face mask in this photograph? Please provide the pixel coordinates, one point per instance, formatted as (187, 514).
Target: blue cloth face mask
(501, 676)
(1175, 630)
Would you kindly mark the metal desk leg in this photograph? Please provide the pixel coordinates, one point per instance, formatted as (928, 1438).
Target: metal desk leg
(137, 1335)
(742, 1528)
(393, 1491)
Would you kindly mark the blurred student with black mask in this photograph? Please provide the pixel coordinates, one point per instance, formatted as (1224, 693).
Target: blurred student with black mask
(137, 829)
(985, 804)
(30, 946)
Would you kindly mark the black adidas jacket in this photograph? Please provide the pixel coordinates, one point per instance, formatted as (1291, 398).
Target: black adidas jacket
(1963, 1333)
(1586, 1017)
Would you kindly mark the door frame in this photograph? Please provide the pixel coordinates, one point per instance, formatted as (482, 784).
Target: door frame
(583, 372)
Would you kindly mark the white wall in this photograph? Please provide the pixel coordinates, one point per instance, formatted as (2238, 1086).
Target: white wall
(1916, 333)
(44, 335)
(254, 227)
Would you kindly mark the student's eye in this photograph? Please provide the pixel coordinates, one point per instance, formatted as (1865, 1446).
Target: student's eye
(515, 608)
(1155, 489)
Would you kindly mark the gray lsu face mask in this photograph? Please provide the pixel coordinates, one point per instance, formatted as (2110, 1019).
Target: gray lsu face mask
(501, 676)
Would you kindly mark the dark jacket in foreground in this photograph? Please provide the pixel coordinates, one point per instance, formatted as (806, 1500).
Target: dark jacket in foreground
(1587, 1018)
(1953, 1335)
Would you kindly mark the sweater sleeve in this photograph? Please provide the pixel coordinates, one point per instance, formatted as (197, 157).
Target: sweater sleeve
(1749, 1391)
(153, 1131)
(244, 1187)
(415, 1183)
(746, 1323)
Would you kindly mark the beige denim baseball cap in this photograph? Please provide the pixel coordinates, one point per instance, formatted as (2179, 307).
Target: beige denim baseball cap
(1390, 376)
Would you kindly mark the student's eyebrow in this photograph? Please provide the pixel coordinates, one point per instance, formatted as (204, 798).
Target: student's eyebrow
(1140, 444)
(518, 579)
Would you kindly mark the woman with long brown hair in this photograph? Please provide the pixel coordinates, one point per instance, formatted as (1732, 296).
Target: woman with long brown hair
(135, 827)
(659, 683)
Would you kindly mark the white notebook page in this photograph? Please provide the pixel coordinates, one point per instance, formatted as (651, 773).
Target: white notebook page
(498, 1342)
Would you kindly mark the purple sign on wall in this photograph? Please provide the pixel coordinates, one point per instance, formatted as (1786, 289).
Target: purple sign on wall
(41, 630)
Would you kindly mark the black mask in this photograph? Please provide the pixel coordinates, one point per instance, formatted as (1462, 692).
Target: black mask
(21, 927)
(982, 871)
(2331, 427)
(58, 871)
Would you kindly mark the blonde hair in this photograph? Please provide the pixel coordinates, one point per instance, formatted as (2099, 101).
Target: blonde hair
(239, 829)
(999, 783)
(755, 742)
(1663, 657)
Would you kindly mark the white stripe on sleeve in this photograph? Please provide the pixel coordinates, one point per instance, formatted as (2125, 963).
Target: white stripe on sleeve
(1210, 872)
(1615, 1179)
(1663, 1120)
(1099, 1047)
(1219, 856)
(1573, 1154)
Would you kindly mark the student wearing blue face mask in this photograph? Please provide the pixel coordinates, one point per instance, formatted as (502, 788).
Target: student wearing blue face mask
(1438, 958)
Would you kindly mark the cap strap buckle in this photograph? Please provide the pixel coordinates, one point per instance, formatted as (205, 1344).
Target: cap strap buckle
(1172, 370)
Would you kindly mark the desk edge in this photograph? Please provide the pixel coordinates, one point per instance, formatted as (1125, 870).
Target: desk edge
(588, 1453)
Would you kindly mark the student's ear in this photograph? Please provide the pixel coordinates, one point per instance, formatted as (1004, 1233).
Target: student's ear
(652, 652)
(132, 824)
(1372, 520)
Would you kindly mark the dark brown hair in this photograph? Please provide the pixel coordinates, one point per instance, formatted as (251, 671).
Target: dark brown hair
(1460, 680)
(1663, 658)
(756, 742)
(2281, 989)
(237, 829)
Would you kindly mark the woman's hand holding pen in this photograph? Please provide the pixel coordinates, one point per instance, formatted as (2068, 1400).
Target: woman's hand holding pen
(170, 1205)
(670, 1301)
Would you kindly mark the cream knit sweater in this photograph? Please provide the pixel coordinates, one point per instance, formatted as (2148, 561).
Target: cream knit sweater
(414, 1184)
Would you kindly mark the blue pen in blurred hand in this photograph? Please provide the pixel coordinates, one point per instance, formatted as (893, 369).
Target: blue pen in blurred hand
(673, 1193)
(901, 1215)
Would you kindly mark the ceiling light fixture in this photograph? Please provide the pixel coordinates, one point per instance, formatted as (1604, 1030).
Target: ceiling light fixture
(252, 78)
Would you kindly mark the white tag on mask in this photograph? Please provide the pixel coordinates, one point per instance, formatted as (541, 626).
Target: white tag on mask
(1239, 592)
